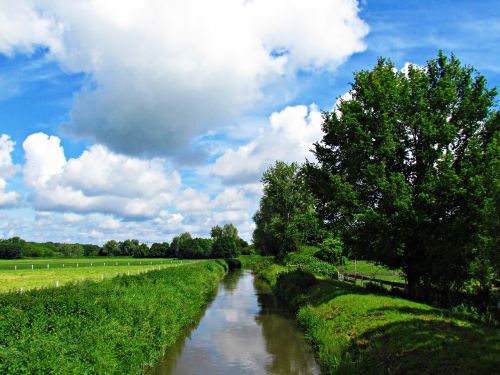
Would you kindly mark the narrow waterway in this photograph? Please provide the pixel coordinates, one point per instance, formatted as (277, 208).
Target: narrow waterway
(243, 331)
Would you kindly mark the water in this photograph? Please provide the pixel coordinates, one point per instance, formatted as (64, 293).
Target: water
(243, 331)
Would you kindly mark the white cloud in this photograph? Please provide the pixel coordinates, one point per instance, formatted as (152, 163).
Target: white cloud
(22, 28)
(232, 198)
(192, 200)
(7, 170)
(163, 72)
(110, 224)
(97, 181)
(72, 218)
(288, 136)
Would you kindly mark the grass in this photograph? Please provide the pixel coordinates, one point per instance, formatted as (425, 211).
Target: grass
(120, 325)
(355, 331)
(359, 331)
(38, 263)
(367, 267)
(42, 277)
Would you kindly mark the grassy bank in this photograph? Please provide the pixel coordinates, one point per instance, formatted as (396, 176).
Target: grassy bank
(358, 331)
(119, 325)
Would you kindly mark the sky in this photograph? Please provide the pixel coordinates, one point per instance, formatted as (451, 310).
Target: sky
(148, 118)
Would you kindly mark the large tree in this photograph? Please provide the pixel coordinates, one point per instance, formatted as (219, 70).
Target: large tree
(405, 169)
(286, 215)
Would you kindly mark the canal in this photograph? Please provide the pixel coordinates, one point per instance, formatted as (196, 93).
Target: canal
(242, 331)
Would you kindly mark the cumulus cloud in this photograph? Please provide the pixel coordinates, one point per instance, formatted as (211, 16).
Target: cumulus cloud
(288, 136)
(97, 181)
(7, 170)
(23, 28)
(163, 72)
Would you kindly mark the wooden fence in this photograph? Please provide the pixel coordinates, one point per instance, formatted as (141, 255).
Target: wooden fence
(371, 277)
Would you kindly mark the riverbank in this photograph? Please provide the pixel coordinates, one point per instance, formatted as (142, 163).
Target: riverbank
(358, 331)
(118, 325)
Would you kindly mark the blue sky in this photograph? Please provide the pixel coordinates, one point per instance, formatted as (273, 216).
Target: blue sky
(144, 119)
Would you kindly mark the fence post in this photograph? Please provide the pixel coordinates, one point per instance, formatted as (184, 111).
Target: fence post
(15, 268)
(48, 266)
(32, 266)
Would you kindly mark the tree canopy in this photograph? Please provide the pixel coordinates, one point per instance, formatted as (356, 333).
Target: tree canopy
(286, 215)
(408, 170)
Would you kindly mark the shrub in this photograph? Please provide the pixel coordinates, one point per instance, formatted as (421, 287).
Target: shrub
(331, 250)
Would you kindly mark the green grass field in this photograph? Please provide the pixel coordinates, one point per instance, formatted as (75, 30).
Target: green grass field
(120, 325)
(17, 274)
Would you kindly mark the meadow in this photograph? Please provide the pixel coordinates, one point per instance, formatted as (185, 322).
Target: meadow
(28, 274)
(119, 325)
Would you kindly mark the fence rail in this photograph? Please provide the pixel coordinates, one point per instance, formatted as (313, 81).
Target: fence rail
(96, 263)
(371, 277)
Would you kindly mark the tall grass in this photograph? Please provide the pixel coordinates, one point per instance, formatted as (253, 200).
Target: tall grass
(120, 325)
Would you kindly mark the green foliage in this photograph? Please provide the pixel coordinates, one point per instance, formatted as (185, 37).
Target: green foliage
(195, 248)
(408, 171)
(159, 250)
(331, 250)
(90, 250)
(119, 325)
(110, 248)
(224, 247)
(141, 251)
(226, 242)
(177, 243)
(11, 248)
(286, 217)
(128, 247)
(305, 259)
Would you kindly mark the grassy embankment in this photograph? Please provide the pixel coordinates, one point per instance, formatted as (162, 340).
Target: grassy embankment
(357, 331)
(119, 325)
(16, 274)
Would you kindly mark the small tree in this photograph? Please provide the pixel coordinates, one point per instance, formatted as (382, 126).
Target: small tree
(110, 248)
(177, 244)
(128, 247)
(331, 250)
(159, 250)
(224, 247)
(11, 248)
(286, 215)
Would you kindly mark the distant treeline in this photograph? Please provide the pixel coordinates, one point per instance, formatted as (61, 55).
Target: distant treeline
(224, 243)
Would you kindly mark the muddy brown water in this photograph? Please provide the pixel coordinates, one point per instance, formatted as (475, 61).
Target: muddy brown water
(244, 330)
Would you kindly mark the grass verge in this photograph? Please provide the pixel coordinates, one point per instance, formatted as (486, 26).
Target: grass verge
(358, 331)
(119, 325)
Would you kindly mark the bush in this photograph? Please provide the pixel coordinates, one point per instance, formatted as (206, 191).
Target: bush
(331, 251)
